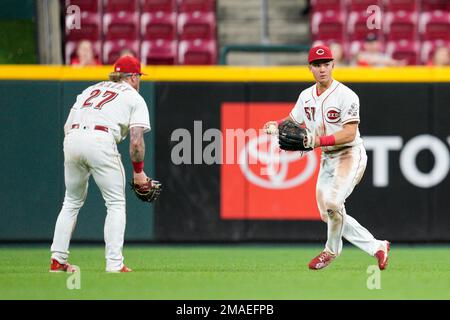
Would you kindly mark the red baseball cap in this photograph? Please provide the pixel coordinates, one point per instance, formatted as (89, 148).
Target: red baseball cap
(319, 53)
(128, 64)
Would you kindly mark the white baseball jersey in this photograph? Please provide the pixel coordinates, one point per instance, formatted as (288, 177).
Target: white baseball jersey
(341, 170)
(117, 106)
(326, 114)
(100, 118)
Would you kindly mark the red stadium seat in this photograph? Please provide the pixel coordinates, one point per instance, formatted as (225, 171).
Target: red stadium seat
(158, 5)
(120, 5)
(85, 5)
(401, 5)
(71, 50)
(432, 5)
(158, 25)
(435, 25)
(111, 49)
(357, 28)
(362, 5)
(401, 25)
(428, 48)
(121, 25)
(404, 50)
(197, 25)
(325, 5)
(327, 26)
(159, 52)
(196, 5)
(90, 27)
(197, 52)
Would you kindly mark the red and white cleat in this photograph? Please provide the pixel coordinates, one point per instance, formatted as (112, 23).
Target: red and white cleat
(382, 255)
(55, 266)
(124, 269)
(321, 261)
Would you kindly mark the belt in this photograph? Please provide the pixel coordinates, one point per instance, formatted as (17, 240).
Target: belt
(96, 127)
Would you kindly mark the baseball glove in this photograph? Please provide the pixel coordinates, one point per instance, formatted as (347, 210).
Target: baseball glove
(147, 192)
(292, 137)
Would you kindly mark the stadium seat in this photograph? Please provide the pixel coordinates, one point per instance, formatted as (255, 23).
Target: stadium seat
(112, 48)
(327, 25)
(325, 5)
(435, 25)
(158, 25)
(196, 5)
(404, 50)
(90, 27)
(159, 52)
(121, 25)
(196, 25)
(400, 25)
(197, 52)
(432, 5)
(401, 5)
(357, 26)
(158, 5)
(85, 5)
(428, 48)
(120, 5)
(71, 48)
(362, 5)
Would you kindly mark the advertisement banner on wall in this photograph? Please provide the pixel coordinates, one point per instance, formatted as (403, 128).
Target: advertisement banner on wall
(226, 180)
(259, 181)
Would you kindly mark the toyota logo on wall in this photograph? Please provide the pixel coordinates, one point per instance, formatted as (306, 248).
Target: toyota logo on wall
(265, 182)
(274, 164)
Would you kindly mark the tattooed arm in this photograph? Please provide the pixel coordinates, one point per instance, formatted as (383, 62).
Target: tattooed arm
(137, 144)
(137, 154)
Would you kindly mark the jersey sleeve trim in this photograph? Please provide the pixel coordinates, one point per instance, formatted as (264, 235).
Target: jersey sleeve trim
(145, 125)
(351, 120)
(293, 118)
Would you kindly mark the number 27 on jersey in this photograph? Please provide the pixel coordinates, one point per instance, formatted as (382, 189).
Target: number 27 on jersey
(107, 96)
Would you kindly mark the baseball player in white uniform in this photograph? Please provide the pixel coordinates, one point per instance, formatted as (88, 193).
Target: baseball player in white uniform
(101, 117)
(330, 111)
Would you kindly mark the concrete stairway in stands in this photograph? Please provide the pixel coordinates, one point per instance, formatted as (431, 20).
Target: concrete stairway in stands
(239, 22)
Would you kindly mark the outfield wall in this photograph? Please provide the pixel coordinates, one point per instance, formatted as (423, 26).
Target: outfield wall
(404, 195)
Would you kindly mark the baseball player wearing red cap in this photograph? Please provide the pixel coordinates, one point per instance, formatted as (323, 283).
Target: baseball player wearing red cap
(101, 117)
(330, 112)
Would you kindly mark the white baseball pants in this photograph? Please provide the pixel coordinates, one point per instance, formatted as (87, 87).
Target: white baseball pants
(340, 172)
(87, 152)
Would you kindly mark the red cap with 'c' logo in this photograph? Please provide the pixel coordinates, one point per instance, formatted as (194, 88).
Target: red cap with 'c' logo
(320, 53)
(128, 64)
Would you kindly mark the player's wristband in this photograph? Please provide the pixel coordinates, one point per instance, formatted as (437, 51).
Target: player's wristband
(327, 140)
(138, 166)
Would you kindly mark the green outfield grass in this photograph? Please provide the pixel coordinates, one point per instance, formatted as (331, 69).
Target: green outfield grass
(226, 272)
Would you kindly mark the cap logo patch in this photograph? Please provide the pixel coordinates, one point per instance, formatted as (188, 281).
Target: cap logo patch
(320, 52)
